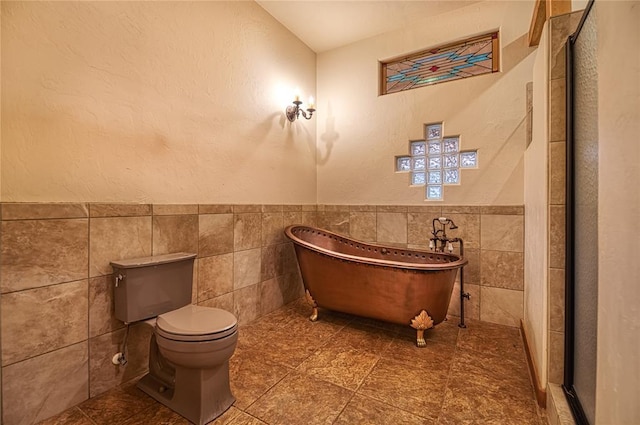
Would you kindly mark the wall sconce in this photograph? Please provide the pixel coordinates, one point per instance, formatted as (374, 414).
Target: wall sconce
(293, 111)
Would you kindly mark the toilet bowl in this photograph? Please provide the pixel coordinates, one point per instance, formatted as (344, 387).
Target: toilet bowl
(191, 345)
(196, 336)
(189, 362)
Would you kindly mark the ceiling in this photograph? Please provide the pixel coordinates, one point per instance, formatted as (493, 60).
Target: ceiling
(324, 25)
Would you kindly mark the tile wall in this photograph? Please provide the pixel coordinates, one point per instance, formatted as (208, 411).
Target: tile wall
(58, 329)
(58, 332)
(560, 28)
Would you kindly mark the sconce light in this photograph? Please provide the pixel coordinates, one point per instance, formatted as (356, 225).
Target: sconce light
(293, 111)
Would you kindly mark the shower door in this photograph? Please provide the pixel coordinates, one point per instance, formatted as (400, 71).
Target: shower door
(582, 219)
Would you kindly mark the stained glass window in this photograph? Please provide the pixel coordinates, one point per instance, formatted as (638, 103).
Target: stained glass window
(467, 58)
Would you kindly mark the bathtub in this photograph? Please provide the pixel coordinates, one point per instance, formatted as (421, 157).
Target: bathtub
(403, 286)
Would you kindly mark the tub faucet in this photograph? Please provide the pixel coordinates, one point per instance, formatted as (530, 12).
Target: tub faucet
(440, 241)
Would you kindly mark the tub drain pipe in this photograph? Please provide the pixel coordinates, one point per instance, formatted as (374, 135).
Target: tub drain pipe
(463, 294)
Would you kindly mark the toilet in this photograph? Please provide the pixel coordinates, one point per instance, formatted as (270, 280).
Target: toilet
(191, 345)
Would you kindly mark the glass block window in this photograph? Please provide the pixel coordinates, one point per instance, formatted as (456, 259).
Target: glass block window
(418, 163)
(403, 163)
(451, 176)
(450, 144)
(418, 148)
(468, 58)
(450, 160)
(433, 131)
(434, 192)
(435, 147)
(469, 159)
(436, 161)
(418, 179)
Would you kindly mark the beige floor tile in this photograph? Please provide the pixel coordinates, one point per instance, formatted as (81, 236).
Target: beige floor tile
(227, 417)
(362, 337)
(251, 375)
(73, 416)
(410, 388)
(236, 417)
(277, 319)
(491, 369)
(468, 402)
(433, 357)
(348, 371)
(503, 341)
(364, 410)
(117, 405)
(344, 366)
(323, 330)
(156, 414)
(301, 399)
(285, 346)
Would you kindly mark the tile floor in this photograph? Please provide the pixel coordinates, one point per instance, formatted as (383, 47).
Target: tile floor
(348, 370)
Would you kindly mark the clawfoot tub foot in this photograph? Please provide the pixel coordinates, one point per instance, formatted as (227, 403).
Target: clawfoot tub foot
(421, 322)
(312, 303)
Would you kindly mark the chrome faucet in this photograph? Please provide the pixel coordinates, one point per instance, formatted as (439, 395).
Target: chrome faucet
(440, 241)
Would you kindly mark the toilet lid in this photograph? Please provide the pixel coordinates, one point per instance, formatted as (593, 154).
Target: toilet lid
(196, 323)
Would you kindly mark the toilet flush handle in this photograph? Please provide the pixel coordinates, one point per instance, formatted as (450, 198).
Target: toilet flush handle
(119, 277)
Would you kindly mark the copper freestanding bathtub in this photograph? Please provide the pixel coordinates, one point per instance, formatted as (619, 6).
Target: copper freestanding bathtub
(397, 285)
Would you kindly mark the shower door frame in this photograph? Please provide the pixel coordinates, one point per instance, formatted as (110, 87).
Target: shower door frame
(569, 340)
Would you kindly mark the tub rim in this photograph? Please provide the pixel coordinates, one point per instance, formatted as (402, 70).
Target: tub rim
(459, 263)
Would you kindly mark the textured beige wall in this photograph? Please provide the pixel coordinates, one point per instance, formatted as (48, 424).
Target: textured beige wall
(153, 102)
(359, 132)
(618, 374)
(536, 215)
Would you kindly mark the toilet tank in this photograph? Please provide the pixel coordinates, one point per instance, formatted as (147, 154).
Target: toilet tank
(149, 286)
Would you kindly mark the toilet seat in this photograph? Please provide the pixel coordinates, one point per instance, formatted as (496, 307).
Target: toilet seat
(193, 323)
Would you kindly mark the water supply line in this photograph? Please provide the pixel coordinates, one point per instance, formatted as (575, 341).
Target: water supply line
(463, 294)
(121, 357)
(440, 236)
